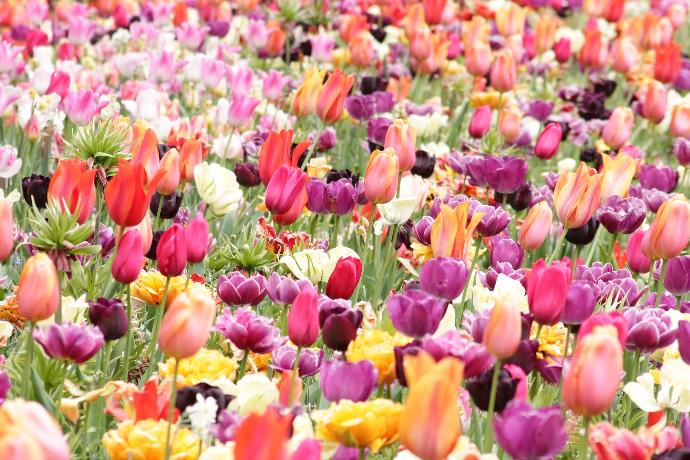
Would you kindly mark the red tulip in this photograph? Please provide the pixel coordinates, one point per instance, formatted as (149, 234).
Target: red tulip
(171, 252)
(72, 186)
(303, 319)
(128, 194)
(262, 437)
(344, 278)
(547, 290)
(275, 152)
(667, 62)
(129, 258)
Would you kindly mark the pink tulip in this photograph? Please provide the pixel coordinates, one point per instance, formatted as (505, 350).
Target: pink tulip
(480, 122)
(547, 290)
(285, 187)
(654, 101)
(59, 84)
(129, 258)
(6, 228)
(562, 50)
(171, 252)
(303, 319)
(197, 239)
(82, 106)
(187, 324)
(241, 109)
(549, 141)
(637, 260)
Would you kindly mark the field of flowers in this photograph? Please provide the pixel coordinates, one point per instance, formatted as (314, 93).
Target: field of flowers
(344, 229)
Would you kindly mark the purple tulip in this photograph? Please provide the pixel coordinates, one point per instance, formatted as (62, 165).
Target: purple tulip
(681, 149)
(474, 355)
(70, 341)
(452, 201)
(658, 177)
(505, 174)
(667, 301)
(474, 167)
(685, 429)
(238, 289)
(540, 110)
(110, 317)
(281, 289)
(339, 322)
(377, 128)
(339, 197)
(494, 220)
(475, 323)
(503, 268)
(677, 279)
(422, 230)
(621, 215)
(249, 331)
(224, 429)
(648, 329)
(443, 277)
(683, 336)
(344, 380)
(347, 453)
(411, 349)
(580, 302)
(653, 198)
(480, 389)
(416, 313)
(327, 140)
(4, 385)
(527, 433)
(283, 359)
(506, 250)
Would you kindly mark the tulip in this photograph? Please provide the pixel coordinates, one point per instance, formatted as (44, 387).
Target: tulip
(332, 96)
(275, 152)
(505, 174)
(307, 94)
(238, 289)
(480, 122)
(128, 194)
(110, 317)
(622, 215)
(72, 186)
(637, 260)
(303, 318)
(577, 196)
(536, 226)
(344, 380)
(677, 279)
(509, 123)
(649, 329)
(171, 252)
(218, 187)
(361, 49)
(504, 71)
(338, 197)
(503, 331)
(549, 141)
(421, 45)
(596, 363)
(684, 342)
(82, 106)
(38, 290)
(618, 128)
(594, 51)
(680, 121)
(416, 313)
(580, 302)
(197, 237)
(273, 84)
(669, 233)
(478, 59)
(35, 190)
(667, 62)
(451, 232)
(29, 432)
(444, 277)
(69, 341)
(401, 137)
(618, 173)
(583, 235)
(286, 194)
(191, 155)
(547, 289)
(514, 426)
(339, 323)
(344, 278)
(165, 206)
(609, 442)
(281, 289)
(249, 331)
(626, 55)
(241, 109)
(59, 83)
(381, 177)
(187, 323)
(309, 359)
(129, 258)
(144, 148)
(654, 101)
(6, 228)
(429, 424)
(658, 177)
(262, 436)
(247, 174)
(170, 163)
(562, 50)
(506, 250)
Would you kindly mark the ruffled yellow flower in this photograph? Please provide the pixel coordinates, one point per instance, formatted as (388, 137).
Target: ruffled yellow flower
(378, 347)
(149, 287)
(551, 341)
(145, 440)
(205, 366)
(491, 98)
(371, 424)
(258, 361)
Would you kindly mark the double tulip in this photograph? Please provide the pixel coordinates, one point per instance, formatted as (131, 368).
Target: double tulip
(72, 187)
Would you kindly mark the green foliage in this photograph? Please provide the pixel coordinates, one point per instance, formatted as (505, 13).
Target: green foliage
(101, 142)
(59, 231)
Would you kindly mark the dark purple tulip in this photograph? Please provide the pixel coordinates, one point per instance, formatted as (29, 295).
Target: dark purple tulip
(249, 331)
(648, 329)
(684, 342)
(416, 313)
(520, 199)
(622, 215)
(169, 204)
(494, 220)
(344, 380)
(35, 190)
(526, 356)
(550, 371)
(106, 238)
(474, 355)
(110, 317)
(377, 128)
(582, 235)
(281, 289)
(516, 428)
(443, 277)
(506, 250)
(658, 177)
(247, 174)
(224, 429)
(187, 396)
(540, 110)
(681, 149)
(673, 454)
(327, 140)
(70, 341)
(411, 349)
(339, 322)
(580, 301)
(283, 359)
(480, 389)
(424, 164)
(422, 230)
(677, 279)
(360, 107)
(505, 174)
(238, 289)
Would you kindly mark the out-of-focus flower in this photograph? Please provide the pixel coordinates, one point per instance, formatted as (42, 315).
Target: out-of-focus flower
(654, 98)
(536, 226)
(10, 164)
(480, 389)
(504, 71)
(209, 366)
(549, 141)
(238, 289)
(249, 331)
(480, 123)
(38, 291)
(343, 380)
(637, 260)
(618, 128)
(28, 431)
(146, 439)
(377, 346)
(218, 187)
(70, 341)
(309, 363)
(262, 436)
(82, 106)
(281, 289)
(35, 190)
(608, 441)
(680, 120)
(577, 196)
(618, 173)
(670, 230)
(401, 137)
(658, 177)
(253, 394)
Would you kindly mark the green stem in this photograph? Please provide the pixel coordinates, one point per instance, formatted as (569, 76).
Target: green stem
(128, 341)
(362, 453)
(243, 365)
(158, 319)
(29, 361)
(488, 430)
(584, 442)
(295, 372)
(660, 286)
(458, 320)
(171, 410)
(633, 377)
(557, 248)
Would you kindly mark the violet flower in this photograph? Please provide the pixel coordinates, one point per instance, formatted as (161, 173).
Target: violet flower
(527, 433)
(474, 355)
(238, 289)
(677, 278)
(69, 341)
(648, 329)
(444, 277)
(416, 313)
(339, 322)
(422, 230)
(339, 197)
(283, 359)
(506, 250)
(540, 110)
(659, 177)
(622, 215)
(345, 380)
(224, 429)
(505, 174)
(494, 220)
(283, 290)
(249, 331)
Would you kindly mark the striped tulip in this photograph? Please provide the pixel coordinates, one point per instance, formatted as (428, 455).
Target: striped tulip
(577, 196)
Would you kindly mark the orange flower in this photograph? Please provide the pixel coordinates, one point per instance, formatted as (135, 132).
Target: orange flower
(381, 177)
(128, 194)
(503, 331)
(332, 96)
(475, 32)
(536, 226)
(362, 49)
(275, 152)
(439, 54)
(618, 173)
(429, 424)
(191, 155)
(594, 51)
(680, 120)
(307, 94)
(72, 186)
(144, 149)
(669, 233)
(262, 437)
(545, 33)
(577, 196)
(510, 19)
(38, 294)
(451, 233)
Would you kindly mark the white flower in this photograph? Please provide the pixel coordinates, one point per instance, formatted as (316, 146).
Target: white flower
(316, 265)
(202, 414)
(674, 388)
(505, 288)
(10, 164)
(396, 211)
(437, 149)
(229, 146)
(6, 330)
(146, 106)
(218, 187)
(428, 125)
(253, 394)
(218, 453)
(415, 186)
(73, 310)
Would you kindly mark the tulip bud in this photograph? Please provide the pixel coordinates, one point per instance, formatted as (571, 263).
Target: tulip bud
(110, 317)
(444, 277)
(480, 389)
(169, 205)
(480, 124)
(509, 124)
(6, 228)
(401, 137)
(562, 50)
(504, 329)
(536, 226)
(339, 323)
(416, 313)
(580, 302)
(654, 101)
(549, 141)
(303, 318)
(504, 71)
(38, 291)
(197, 239)
(669, 233)
(171, 252)
(247, 174)
(506, 250)
(381, 178)
(129, 258)
(35, 190)
(637, 260)
(187, 323)
(677, 279)
(618, 128)
(344, 278)
(286, 184)
(584, 234)
(547, 289)
(344, 380)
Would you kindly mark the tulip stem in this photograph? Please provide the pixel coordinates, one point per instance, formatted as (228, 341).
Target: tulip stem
(584, 440)
(158, 319)
(660, 286)
(295, 373)
(362, 453)
(557, 248)
(171, 410)
(593, 247)
(488, 430)
(158, 212)
(633, 377)
(128, 340)
(243, 365)
(29, 361)
(469, 279)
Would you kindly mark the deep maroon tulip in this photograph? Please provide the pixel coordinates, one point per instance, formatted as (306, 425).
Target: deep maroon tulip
(283, 359)
(238, 289)
(169, 205)
(622, 215)
(187, 396)
(648, 329)
(581, 236)
(35, 190)
(69, 341)
(339, 322)
(520, 199)
(416, 313)
(677, 279)
(480, 123)
(684, 340)
(549, 141)
(659, 177)
(171, 252)
(504, 174)
(197, 239)
(344, 278)
(424, 164)
(247, 174)
(344, 380)
(547, 289)
(517, 425)
(282, 289)
(494, 220)
(422, 230)
(303, 318)
(506, 250)
(249, 331)
(474, 355)
(480, 389)
(129, 258)
(110, 317)
(444, 277)
(580, 302)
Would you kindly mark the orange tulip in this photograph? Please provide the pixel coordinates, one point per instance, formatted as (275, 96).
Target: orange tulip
(275, 152)
(451, 232)
(421, 45)
(577, 196)
(429, 423)
(262, 437)
(414, 20)
(475, 32)
(6, 228)
(72, 186)
(509, 123)
(478, 59)
(351, 25)
(536, 226)
(307, 94)
(594, 51)
(128, 194)
(591, 382)
(187, 324)
(381, 177)
(504, 329)
(332, 96)
(618, 128)
(510, 19)
(670, 230)
(191, 155)
(504, 71)
(438, 56)
(545, 33)
(144, 149)
(654, 101)
(276, 41)
(362, 49)
(402, 137)
(680, 120)
(618, 173)
(625, 55)
(170, 163)
(38, 291)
